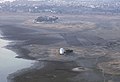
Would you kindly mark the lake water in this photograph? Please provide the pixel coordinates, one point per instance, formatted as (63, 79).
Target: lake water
(8, 63)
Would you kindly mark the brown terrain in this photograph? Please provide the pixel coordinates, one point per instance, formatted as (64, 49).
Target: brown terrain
(94, 39)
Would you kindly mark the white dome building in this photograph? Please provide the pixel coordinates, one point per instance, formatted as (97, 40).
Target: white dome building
(62, 51)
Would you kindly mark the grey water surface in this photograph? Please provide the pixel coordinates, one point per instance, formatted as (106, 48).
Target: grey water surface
(8, 63)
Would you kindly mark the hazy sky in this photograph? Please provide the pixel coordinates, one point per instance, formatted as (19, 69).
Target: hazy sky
(6, 0)
(13, 0)
(61, 0)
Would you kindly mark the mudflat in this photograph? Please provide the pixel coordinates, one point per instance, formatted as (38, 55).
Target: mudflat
(94, 39)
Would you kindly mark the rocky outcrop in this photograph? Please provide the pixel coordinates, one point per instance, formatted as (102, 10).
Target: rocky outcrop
(46, 19)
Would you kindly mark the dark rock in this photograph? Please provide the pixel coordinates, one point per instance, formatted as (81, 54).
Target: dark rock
(46, 19)
(69, 51)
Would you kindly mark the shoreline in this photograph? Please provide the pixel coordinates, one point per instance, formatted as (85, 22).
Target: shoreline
(44, 67)
(91, 47)
(8, 63)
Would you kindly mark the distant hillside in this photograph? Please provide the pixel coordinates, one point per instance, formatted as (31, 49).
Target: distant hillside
(63, 6)
(77, 0)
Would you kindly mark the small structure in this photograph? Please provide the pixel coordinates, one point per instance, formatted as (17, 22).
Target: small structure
(62, 51)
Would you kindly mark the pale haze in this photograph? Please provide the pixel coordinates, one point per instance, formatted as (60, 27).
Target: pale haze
(14, 0)
(6, 0)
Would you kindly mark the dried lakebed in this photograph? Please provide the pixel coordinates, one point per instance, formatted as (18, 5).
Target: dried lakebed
(95, 57)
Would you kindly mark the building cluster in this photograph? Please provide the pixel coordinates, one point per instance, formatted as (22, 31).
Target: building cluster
(61, 6)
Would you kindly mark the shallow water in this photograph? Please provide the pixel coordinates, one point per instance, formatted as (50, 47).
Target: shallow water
(8, 63)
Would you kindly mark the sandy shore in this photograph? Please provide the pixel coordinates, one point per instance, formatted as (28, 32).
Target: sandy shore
(94, 42)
